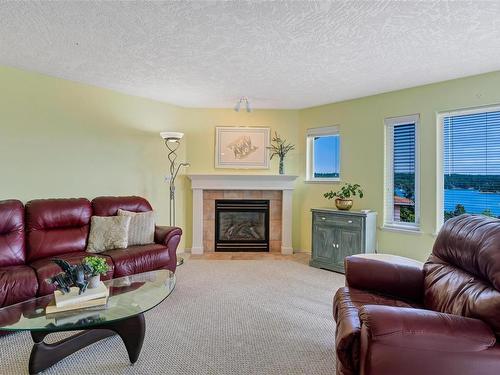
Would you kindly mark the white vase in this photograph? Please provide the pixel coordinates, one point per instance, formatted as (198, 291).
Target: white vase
(94, 282)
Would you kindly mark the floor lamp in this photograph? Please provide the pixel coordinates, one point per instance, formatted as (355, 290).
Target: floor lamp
(173, 141)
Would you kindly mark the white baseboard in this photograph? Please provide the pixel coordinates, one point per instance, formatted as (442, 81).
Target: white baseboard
(188, 250)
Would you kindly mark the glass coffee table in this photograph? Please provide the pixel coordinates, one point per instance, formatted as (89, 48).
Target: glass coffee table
(129, 298)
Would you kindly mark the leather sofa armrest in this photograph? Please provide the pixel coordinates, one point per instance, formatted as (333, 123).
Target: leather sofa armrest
(424, 330)
(163, 234)
(170, 237)
(386, 274)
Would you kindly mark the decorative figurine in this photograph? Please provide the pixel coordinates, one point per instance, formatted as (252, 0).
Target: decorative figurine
(72, 276)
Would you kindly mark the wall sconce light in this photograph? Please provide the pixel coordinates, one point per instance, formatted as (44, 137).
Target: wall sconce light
(245, 101)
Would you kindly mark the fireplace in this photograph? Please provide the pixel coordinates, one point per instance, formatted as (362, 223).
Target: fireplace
(241, 225)
(207, 188)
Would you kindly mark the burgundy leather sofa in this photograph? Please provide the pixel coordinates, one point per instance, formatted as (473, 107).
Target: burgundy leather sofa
(32, 235)
(398, 316)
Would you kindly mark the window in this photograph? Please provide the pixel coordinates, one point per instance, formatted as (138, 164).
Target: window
(401, 174)
(323, 154)
(470, 170)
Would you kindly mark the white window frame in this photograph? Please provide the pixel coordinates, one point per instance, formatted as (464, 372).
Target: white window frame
(310, 135)
(440, 154)
(389, 222)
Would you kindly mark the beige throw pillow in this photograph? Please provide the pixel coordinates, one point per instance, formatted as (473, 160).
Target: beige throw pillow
(142, 227)
(108, 233)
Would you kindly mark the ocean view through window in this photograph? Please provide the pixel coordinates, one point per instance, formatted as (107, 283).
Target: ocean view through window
(471, 163)
(323, 154)
(401, 206)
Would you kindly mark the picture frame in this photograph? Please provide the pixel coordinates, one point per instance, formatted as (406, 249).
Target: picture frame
(242, 147)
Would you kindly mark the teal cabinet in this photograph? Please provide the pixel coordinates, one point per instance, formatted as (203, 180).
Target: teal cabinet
(337, 234)
(326, 238)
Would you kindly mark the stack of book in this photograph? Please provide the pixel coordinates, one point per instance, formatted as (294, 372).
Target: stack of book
(73, 301)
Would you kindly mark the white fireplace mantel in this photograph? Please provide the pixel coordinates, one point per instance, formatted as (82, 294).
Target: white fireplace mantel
(201, 182)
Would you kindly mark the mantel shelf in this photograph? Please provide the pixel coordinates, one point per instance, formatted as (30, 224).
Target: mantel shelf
(242, 181)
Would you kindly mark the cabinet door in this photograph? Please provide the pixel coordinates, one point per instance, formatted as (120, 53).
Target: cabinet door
(349, 244)
(323, 242)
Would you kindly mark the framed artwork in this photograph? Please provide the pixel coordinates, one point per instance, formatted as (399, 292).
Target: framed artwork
(237, 147)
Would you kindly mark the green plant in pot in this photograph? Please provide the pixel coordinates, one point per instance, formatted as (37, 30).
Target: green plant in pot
(343, 196)
(98, 267)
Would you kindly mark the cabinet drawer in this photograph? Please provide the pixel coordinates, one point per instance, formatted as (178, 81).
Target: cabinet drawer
(337, 220)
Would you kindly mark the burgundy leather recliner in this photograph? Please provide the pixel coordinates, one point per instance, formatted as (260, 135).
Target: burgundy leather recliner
(32, 235)
(399, 316)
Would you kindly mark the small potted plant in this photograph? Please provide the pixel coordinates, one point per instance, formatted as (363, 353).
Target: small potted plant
(279, 147)
(343, 199)
(97, 267)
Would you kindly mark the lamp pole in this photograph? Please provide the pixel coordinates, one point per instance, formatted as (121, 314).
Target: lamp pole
(172, 146)
(172, 142)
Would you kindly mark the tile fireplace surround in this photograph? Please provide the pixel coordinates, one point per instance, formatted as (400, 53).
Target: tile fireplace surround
(208, 187)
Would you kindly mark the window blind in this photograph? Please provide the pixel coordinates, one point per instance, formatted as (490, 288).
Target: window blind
(471, 163)
(401, 203)
(326, 130)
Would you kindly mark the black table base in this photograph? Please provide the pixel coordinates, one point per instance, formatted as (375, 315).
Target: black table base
(43, 355)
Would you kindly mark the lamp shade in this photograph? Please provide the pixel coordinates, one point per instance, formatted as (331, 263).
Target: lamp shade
(172, 135)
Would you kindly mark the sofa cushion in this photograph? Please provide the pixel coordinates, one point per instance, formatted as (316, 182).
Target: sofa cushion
(108, 206)
(141, 230)
(108, 233)
(137, 259)
(57, 226)
(17, 284)
(346, 305)
(12, 250)
(45, 269)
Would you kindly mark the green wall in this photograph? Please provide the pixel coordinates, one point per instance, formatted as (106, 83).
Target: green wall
(361, 124)
(60, 138)
(199, 127)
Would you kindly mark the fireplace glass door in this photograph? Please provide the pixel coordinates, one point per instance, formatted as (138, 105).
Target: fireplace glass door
(241, 225)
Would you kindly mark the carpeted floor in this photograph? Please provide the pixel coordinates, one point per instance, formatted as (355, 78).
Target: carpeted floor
(224, 317)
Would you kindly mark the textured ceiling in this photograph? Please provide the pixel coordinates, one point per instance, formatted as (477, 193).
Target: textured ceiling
(279, 54)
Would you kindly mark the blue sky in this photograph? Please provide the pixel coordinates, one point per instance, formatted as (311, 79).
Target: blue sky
(471, 146)
(472, 143)
(326, 154)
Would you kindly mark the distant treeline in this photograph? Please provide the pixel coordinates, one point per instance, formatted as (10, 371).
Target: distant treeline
(484, 183)
(406, 183)
(460, 210)
(326, 175)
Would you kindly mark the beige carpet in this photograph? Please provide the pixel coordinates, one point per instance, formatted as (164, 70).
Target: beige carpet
(224, 317)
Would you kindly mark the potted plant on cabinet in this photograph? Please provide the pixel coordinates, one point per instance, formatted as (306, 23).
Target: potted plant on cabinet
(343, 200)
(97, 266)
